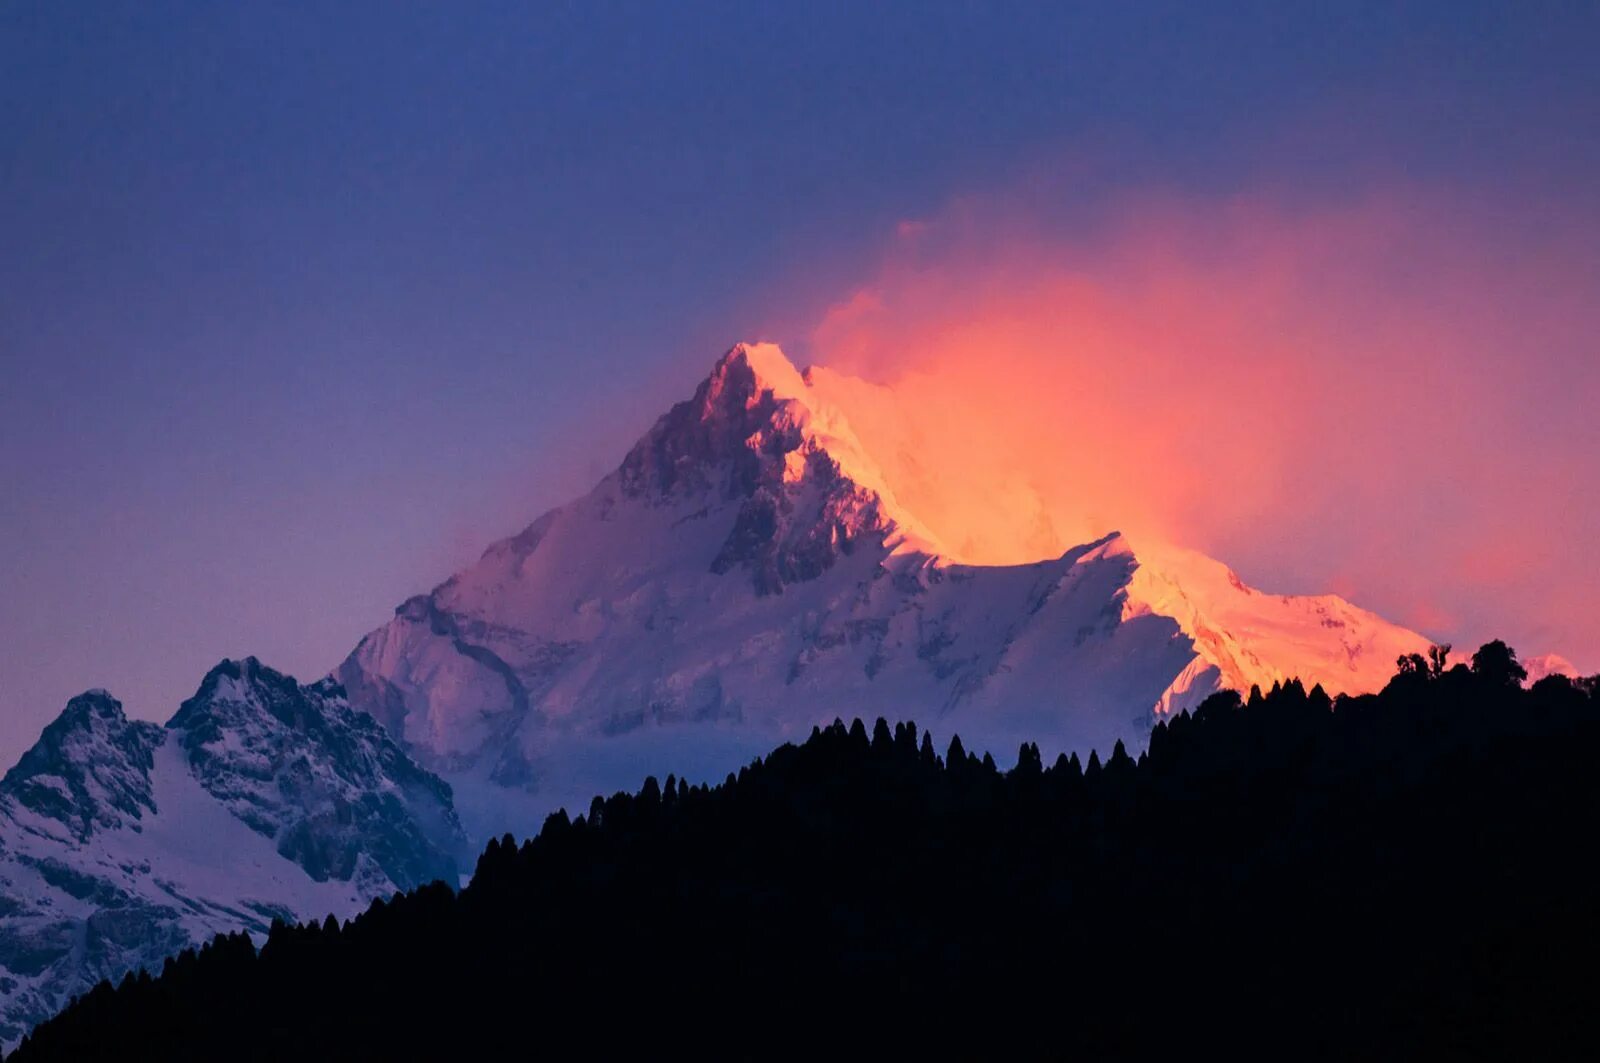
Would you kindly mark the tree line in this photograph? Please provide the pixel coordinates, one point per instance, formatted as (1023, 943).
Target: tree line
(1281, 873)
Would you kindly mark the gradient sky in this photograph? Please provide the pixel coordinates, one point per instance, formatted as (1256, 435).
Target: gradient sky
(301, 305)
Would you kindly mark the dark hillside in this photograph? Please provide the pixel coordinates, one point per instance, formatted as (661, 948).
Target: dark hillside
(1397, 875)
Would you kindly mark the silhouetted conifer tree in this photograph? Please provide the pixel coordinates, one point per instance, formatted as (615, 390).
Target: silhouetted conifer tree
(882, 741)
(956, 754)
(1029, 762)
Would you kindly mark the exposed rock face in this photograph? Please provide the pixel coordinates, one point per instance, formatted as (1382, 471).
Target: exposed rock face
(299, 765)
(738, 441)
(748, 571)
(90, 768)
(123, 842)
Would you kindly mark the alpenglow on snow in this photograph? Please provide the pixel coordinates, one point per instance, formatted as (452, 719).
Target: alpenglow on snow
(748, 572)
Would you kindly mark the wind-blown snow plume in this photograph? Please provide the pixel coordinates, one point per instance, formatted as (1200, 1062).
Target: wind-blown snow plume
(1389, 398)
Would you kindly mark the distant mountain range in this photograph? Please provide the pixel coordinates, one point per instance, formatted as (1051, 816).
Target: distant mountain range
(122, 842)
(749, 570)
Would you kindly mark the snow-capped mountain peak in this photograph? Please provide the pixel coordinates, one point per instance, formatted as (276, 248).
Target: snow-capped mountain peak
(750, 569)
(755, 429)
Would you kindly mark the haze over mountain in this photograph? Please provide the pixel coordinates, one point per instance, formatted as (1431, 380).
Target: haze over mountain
(753, 567)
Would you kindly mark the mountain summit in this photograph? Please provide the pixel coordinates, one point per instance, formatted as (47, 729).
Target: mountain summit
(747, 572)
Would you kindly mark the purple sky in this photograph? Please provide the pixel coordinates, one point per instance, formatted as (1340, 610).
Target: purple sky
(299, 308)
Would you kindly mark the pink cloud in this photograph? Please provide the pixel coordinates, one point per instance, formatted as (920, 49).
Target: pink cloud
(1391, 395)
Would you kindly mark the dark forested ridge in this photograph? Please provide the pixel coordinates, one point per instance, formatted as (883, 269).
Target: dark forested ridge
(1394, 875)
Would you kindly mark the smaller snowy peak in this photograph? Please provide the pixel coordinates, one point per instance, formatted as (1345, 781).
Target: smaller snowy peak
(296, 763)
(89, 770)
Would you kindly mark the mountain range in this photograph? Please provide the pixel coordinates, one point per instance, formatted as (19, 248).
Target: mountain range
(752, 568)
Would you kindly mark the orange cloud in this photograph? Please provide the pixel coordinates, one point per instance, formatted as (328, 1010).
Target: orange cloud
(1374, 391)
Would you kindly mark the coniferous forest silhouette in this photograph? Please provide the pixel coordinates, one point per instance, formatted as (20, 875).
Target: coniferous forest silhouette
(1401, 874)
